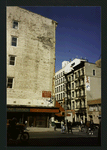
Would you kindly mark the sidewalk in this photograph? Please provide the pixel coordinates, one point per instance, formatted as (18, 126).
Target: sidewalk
(51, 129)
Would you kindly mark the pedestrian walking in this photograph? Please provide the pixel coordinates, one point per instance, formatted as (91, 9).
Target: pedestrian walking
(25, 124)
(54, 127)
(92, 126)
(62, 126)
(81, 125)
(87, 126)
(69, 126)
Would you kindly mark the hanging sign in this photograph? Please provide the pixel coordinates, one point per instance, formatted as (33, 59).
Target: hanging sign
(87, 81)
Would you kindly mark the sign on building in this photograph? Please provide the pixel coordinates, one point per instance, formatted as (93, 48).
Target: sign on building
(87, 81)
(46, 94)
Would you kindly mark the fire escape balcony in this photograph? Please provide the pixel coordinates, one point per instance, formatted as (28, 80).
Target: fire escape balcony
(80, 107)
(65, 89)
(69, 80)
(69, 88)
(81, 76)
(65, 81)
(81, 96)
(81, 86)
(69, 97)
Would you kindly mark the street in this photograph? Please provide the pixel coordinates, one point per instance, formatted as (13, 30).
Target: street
(57, 138)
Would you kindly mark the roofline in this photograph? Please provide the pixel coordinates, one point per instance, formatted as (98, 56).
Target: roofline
(37, 14)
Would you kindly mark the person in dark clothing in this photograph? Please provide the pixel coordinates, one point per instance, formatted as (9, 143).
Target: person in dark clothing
(69, 127)
(54, 127)
(12, 127)
(91, 125)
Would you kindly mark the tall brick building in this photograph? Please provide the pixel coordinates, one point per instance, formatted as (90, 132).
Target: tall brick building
(30, 66)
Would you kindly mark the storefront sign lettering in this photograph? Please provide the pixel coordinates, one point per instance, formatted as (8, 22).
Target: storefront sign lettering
(18, 109)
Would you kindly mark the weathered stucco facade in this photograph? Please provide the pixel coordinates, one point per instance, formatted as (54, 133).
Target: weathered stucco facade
(34, 53)
(33, 71)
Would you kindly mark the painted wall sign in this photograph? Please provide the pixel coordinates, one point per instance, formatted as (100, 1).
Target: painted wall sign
(18, 110)
(87, 81)
(46, 94)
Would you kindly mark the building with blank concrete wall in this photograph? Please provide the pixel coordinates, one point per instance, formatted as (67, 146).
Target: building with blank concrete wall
(30, 66)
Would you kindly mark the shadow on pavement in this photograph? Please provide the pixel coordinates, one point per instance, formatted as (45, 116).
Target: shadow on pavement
(93, 141)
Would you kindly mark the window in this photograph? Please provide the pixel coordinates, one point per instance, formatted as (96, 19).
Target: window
(72, 64)
(57, 96)
(14, 41)
(9, 82)
(15, 24)
(82, 71)
(72, 85)
(63, 86)
(72, 94)
(59, 88)
(12, 60)
(61, 95)
(73, 105)
(72, 77)
(93, 72)
(78, 73)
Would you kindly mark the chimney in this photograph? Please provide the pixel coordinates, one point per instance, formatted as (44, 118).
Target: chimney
(70, 60)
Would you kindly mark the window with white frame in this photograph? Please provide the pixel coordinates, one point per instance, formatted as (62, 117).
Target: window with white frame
(59, 88)
(73, 105)
(59, 96)
(9, 82)
(15, 24)
(72, 94)
(12, 60)
(72, 77)
(14, 41)
(72, 85)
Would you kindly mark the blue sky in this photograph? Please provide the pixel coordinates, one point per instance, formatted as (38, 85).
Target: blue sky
(78, 33)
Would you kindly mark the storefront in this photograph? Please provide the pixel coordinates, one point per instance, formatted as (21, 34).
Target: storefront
(36, 117)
